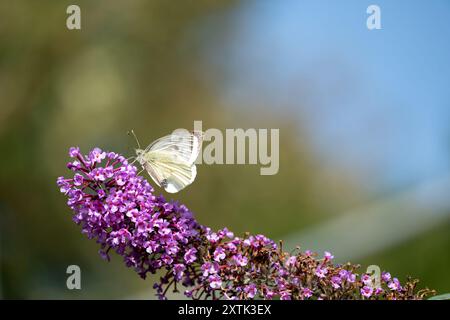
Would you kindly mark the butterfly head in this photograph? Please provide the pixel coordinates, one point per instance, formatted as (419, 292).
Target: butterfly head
(140, 156)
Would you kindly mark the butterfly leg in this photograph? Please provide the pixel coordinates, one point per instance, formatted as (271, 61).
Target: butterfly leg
(132, 158)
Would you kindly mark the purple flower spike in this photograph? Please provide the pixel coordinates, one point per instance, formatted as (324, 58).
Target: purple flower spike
(119, 209)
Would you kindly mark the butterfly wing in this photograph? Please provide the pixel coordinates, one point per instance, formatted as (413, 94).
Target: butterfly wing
(182, 146)
(170, 160)
(171, 176)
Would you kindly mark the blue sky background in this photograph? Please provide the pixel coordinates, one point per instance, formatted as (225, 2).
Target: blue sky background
(376, 102)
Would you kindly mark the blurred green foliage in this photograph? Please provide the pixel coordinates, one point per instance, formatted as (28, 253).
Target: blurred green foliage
(137, 64)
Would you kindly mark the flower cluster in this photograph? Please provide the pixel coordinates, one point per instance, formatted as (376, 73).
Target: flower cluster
(118, 208)
(255, 267)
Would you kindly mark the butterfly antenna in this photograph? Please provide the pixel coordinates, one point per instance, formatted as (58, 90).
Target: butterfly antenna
(135, 138)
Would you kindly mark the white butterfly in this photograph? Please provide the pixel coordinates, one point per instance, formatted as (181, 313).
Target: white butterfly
(170, 160)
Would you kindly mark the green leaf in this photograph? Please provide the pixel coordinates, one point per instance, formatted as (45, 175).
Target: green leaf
(445, 296)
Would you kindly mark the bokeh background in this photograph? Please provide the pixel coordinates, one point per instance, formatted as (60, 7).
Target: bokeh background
(363, 116)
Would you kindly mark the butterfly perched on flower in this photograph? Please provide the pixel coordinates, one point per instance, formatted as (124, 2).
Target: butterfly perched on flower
(170, 160)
